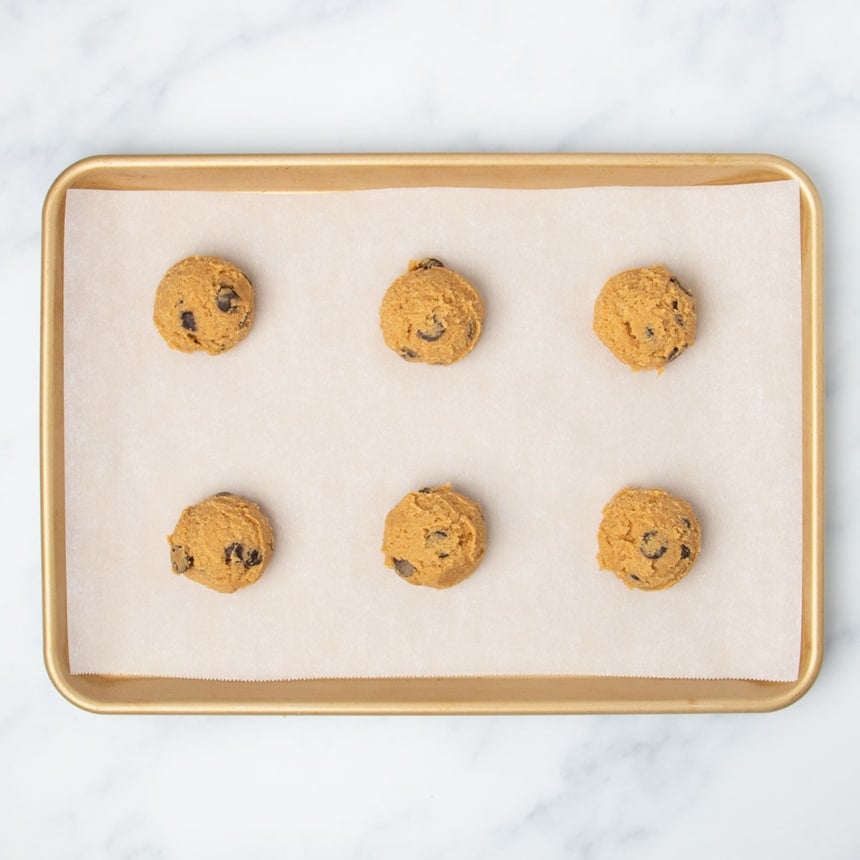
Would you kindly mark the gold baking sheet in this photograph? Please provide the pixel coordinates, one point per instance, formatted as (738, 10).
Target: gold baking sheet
(514, 694)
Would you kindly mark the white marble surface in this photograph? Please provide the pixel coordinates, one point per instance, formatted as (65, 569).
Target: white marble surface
(90, 77)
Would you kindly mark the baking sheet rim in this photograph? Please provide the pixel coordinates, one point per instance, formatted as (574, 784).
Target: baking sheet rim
(507, 694)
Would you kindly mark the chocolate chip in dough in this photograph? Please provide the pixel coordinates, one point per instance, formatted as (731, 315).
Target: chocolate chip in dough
(434, 539)
(225, 298)
(188, 321)
(179, 560)
(680, 286)
(652, 547)
(234, 550)
(434, 331)
(403, 568)
(248, 557)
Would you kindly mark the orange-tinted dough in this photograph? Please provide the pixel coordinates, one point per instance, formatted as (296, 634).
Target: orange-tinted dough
(647, 317)
(435, 537)
(223, 542)
(431, 314)
(204, 303)
(648, 538)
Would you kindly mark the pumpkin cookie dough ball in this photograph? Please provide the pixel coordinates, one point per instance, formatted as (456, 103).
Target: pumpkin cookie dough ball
(648, 538)
(434, 537)
(223, 542)
(647, 317)
(204, 303)
(431, 314)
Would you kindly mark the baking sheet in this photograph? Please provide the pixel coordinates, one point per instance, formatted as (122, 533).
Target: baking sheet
(313, 417)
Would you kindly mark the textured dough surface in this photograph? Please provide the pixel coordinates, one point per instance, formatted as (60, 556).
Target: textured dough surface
(431, 314)
(648, 538)
(204, 303)
(646, 317)
(435, 537)
(223, 542)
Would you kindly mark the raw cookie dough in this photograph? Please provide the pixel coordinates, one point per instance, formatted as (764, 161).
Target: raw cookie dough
(431, 314)
(647, 317)
(648, 538)
(434, 537)
(223, 542)
(204, 303)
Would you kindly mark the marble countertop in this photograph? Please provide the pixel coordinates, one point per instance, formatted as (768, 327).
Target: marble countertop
(340, 76)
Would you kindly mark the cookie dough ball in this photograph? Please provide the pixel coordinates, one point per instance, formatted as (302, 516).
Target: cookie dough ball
(431, 314)
(204, 303)
(648, 538)
(647, 317)
(223, 542)
(434, 537)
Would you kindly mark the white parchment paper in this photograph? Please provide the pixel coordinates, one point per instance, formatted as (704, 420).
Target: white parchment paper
(314, 418)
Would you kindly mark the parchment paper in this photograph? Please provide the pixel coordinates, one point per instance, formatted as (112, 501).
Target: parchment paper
(313, 417)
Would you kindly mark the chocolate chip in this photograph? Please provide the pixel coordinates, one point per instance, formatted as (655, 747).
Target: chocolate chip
(225, 298)
(434, 539)
(673, 354)
(674, 304)
(434, 332)
(234, 550)
(470, 330)
(425, 490)
(685, 551)
(679, 319)
(649, 332)
(407, 353)
(188, 321)
(633, 576)
(430, 263)
(249, 558)
(686, 522)
(652, 547)
(403, 568)
(680, 286)
(442, 554)
(180, 561)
